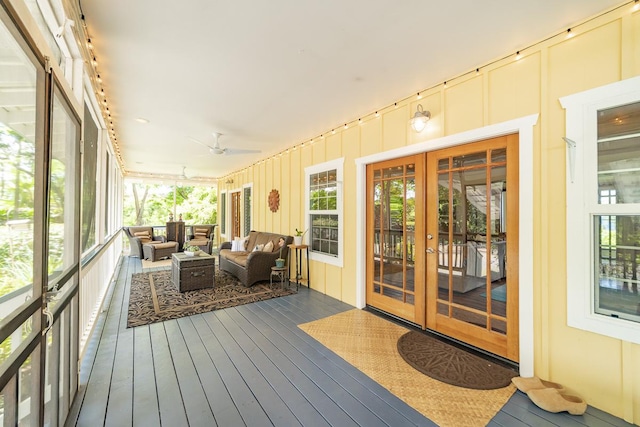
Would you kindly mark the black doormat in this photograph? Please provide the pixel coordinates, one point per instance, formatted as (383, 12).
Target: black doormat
(450, 364)
(154, 297)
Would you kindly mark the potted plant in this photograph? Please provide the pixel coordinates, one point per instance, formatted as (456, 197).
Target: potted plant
(297, 238)
(280, 260)
(190, 250)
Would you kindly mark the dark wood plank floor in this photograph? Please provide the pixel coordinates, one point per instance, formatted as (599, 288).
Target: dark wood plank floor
(245, 366)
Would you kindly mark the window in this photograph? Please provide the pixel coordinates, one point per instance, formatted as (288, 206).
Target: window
(89, 181)
(246, 211)
(324, 211)
(223, 213)
(603, 210)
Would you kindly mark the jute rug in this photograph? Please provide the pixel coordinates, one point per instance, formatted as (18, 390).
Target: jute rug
(164, 263)
(154, 297)
(450, 364)
(369, 343)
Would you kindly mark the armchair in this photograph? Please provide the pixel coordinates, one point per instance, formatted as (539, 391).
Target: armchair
(139, 236)
(202, 237)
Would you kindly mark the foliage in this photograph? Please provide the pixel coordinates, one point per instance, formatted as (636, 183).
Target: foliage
(151, 204)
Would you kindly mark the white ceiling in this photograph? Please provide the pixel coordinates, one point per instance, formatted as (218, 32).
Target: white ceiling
(271, 74)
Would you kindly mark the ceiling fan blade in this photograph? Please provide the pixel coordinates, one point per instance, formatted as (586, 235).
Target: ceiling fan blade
(201, 143)
(232, 151)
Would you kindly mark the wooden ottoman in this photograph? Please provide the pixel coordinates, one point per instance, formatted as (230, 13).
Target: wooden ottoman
(156, 251)
(192, 272)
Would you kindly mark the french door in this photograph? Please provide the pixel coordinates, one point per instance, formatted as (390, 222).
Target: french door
(395, 224)
(472, 241)
(442, 240)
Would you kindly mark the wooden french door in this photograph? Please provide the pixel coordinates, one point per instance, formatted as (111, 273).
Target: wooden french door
(472, 244)
(442, 239)
(395, 248)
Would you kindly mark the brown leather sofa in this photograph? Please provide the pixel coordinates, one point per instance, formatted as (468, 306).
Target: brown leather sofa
(249, 265)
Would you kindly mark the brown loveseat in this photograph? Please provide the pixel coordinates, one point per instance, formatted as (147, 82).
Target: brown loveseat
(253, 266)
(139, 236)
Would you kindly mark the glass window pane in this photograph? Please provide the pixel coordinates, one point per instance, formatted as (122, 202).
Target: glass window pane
(63, 187)
(17, 165)
(617, 266)
(247, 210)
(619, 153)
(89, 168)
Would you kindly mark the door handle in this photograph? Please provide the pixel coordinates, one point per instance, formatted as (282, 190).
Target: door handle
(430, 251)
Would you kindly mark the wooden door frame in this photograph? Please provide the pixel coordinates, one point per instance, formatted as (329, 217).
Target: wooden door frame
(524, 127)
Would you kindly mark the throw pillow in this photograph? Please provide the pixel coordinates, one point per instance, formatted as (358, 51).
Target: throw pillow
(237, 246)
(142, 234)
(258, 248)
(203, 235)
(268, 247)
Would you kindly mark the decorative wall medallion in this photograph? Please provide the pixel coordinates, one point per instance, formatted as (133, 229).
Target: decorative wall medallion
(274, 200)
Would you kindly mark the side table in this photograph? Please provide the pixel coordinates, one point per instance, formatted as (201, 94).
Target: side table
(281, 273)
(299, 249)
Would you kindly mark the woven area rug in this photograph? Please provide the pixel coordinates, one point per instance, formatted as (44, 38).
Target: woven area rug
(452, 365)
(154, 297)
(146, 264)
(369, 343)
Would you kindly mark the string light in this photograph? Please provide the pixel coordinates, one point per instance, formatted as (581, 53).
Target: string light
(418, 96)
(445, 84)
(345, 126)
(569, 33)
(377, 114)
(518, 56)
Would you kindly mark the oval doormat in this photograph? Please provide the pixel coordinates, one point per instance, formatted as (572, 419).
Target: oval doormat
(450, 364)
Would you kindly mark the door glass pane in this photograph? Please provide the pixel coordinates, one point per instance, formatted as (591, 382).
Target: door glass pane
(394, 199)
(472, 241)
(377, 237)
(410, 235)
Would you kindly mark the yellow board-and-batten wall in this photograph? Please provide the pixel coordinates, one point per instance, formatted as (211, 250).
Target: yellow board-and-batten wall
(605, 371)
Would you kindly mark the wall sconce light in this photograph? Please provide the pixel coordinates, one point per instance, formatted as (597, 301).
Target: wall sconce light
(229, 181)
(420, 119)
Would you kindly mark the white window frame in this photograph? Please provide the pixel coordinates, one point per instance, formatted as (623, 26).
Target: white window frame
(338, 165)
(582, 206)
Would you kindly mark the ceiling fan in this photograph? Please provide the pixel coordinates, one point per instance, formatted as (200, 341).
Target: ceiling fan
(216, 149)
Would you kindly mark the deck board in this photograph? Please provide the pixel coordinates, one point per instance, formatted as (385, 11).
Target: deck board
(220, 402)
(249, 365)
(243, 397)
(172, 411)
